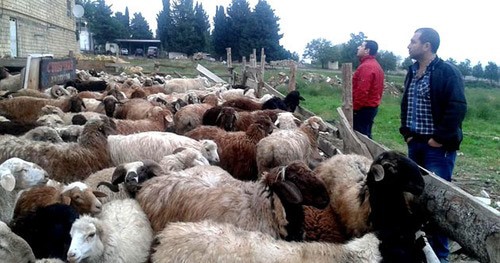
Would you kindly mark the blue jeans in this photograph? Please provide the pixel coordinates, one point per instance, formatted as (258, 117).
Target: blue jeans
(363, 120)
(441, 162)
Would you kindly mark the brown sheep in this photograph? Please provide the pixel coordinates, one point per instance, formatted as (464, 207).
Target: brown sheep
(27, 109)
(65, 162)
(347, 214)
(77, 194)
(158, 119)
(245, 119)
(190, 116)
(236, 150)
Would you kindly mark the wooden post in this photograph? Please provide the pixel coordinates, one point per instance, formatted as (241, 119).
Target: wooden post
(293, 73)
(230, 68)
(254, 62)
(262, 69)
(347, 91)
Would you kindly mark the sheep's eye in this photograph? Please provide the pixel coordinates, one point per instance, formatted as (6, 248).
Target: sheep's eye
(90, 236)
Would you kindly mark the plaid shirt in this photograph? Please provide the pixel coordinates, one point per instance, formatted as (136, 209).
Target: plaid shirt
(419, 115)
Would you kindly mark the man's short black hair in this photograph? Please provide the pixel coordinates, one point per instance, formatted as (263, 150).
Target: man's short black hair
(373, 46)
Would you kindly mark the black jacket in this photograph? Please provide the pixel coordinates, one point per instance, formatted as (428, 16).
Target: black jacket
(447, 102)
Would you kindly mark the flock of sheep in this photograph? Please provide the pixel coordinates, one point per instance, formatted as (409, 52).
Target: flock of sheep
(154, 169)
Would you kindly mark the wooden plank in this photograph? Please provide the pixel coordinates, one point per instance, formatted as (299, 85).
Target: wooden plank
(351, 142)
(209, 74)
(347, 91)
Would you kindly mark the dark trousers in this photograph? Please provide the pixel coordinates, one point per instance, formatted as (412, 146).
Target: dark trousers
(440, 162)
(363, 120)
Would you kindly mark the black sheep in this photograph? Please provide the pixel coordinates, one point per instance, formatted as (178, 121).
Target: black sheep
(390, 176)
(47, 230)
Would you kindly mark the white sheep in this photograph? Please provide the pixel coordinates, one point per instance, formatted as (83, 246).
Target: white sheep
(122, 233)
(16, 175)
(183, 158)
(155, 145)
(272, 205)
(44, 134)
(185, 84)
(208, 241)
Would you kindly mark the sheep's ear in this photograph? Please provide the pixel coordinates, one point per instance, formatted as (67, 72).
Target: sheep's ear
(378, 172)
(8, 182)
(289, 192)
(169, 118)
(315, 125)
(99, 194)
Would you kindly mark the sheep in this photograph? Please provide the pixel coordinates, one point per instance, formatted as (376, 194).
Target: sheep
(390, 177)
(67, 117)
(183, 158)
(222, 117)
(44, 134)
(50, 120)
(77, 194)
(16, 175)
(208, 241)
(122, 233)
(243, 104)
(133, 109)
(245, 118)
(86, 85)
(13, 248)
(154, 145)
(27, 109)
(65, 162)
(190, 116)
(237, 150)
(47, 230)
(289, 103)
(347, 214)
(183, 85)
(272, 205)
(15, 127)
(284, 146)
(157, 119)
(287, 121)
(133, 173)
(70, 133)
(10, 82)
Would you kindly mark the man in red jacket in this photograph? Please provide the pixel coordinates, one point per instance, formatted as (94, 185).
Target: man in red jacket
(367, 88)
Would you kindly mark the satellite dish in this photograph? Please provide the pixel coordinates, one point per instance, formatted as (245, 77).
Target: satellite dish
(78, 11)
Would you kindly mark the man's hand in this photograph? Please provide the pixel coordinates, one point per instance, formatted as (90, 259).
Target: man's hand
(409, 139)
(433, 143)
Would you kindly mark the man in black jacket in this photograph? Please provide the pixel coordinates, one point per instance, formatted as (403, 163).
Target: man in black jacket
(432, 111)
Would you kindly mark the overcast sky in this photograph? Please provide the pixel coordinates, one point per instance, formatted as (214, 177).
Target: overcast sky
(468, 29)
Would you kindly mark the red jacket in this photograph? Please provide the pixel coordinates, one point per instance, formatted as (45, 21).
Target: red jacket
(367, 84)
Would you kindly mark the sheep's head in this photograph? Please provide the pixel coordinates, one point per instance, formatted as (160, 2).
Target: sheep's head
(133, 174)
(76, 104)
(265, 124)
(316, 123)
(50, 120)
(392, 170)
(227, 118)
(82, 198)
(297, 184)
(191, 157)
(44, 133)
(86, 239)
(19, 174)
(209, 150)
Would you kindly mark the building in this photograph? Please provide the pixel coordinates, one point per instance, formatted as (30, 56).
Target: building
(37, 27)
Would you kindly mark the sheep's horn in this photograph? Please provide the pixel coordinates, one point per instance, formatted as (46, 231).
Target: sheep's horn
(111, 186)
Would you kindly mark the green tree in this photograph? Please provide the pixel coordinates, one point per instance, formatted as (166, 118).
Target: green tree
(387, 60)
(100, 22)
(201, 28)
(220, 33)
(407, 62)
(477, 70)
(266, 32)
(491, 72)
(321, 51)
(239, 27)
(139, 27)
(124, 22)
(164, 22)
(183, 34)
(465, 67)
(349, 49)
